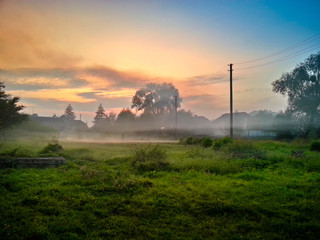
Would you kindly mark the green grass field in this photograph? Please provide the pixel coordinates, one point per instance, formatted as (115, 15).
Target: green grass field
(245, 190)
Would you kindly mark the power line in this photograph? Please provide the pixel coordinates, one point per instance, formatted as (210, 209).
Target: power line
(297, 45)
(300, 52)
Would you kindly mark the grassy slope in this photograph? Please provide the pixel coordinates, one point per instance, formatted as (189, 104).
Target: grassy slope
(204, 194)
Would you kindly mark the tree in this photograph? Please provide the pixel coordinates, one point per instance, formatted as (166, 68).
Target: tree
(302, 86)
(111, 117)
(126, 116)
(157, 99)
(100, 114)
(69, 114)
(9, 109)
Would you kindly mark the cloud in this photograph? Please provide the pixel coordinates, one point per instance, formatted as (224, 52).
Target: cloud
(63, 95)
(206, 79)
(81, 85)
(27, 41)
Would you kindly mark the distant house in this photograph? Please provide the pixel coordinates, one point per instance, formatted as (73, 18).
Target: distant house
(261, 124)
(240, 124)
(60, 124)
(256, 124)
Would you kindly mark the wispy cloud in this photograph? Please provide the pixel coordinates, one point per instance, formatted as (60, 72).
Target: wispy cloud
(206, 79)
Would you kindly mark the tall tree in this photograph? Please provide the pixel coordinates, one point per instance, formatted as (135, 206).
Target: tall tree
(157, 99)
(126, 116)
(111, 117)
(69, 114)
(100, 114)
(302, 86)
(9, 109)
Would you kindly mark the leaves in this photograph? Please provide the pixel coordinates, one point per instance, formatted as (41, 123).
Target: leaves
(157, 99)
(9, 109)
(302, 86)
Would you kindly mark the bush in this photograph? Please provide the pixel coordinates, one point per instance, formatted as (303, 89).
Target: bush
(206, 142)
(315, 146)
(192, 140)
(244, 150)
(219, 143)
(151, 158)
(52, 148)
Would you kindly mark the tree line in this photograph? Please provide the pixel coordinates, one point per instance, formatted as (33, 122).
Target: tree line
(156, 106)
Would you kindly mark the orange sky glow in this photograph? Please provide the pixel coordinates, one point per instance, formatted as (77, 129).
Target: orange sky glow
(91, 52)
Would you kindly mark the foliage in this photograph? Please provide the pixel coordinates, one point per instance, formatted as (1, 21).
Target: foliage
(150, 158)
(69, 114)
(191, 140)
(100, 114)
(315, 146)
(206, 142)
(302, 86)
(52, 148)
(9, 109)
(219, 143)
(157, 99)
(244, 149)
(125, 117)
(206, 195)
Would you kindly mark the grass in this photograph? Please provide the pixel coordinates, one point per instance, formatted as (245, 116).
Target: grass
(102, 192)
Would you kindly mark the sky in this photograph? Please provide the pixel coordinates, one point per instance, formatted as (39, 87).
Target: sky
(83, 53)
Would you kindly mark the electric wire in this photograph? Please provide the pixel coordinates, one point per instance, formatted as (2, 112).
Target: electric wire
(297, 45)
(300, 52)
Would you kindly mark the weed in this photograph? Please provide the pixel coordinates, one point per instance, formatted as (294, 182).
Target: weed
(191, 140)
(52, 148)
(128, 193)
(206, 142)
(315, 146)
(150, 158)
(219, 143)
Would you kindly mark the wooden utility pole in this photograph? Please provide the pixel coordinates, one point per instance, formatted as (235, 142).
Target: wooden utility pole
(231, 102)
(176, 115)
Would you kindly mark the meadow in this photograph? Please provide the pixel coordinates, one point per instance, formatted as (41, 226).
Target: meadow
(234, 190)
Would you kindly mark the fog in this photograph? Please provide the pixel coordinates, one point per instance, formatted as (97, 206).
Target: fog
(140, 129)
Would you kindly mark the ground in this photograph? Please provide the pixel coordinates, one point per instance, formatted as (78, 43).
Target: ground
(244, 190)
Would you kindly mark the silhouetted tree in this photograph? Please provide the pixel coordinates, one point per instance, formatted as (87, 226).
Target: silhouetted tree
(111, 117)
(157, 99)
(302, 86)
(126, 116)
(69, 114)
(100, 114)
(9, 109)
(99, 119)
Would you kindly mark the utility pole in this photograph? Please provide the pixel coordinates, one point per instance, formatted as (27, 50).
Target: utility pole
(176, 113)
(231, 102)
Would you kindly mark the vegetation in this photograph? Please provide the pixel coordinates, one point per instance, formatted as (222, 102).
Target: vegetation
(156, 99)
(206, 142)
(302, 86)
(315, 146)
(123, 191)
(10, 110)
(219, 143)
(68, 113)
(52, 148)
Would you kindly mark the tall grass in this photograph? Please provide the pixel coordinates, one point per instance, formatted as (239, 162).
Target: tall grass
(121, 191)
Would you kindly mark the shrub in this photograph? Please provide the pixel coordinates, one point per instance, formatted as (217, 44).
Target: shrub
(244, 150)
(52, 148)
(193, 140)
(189, 140)
(151, 158)
(219, 143)
(206, 142)
(315, 146)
